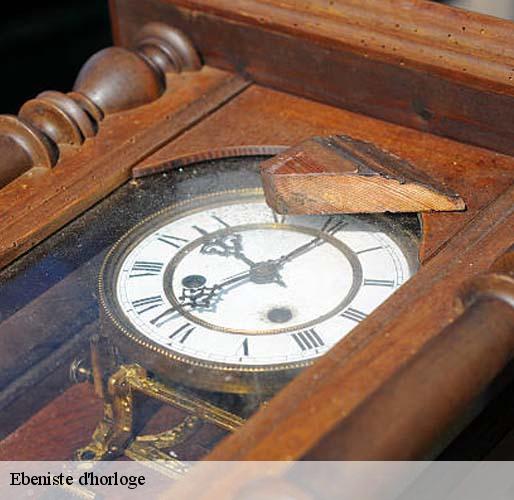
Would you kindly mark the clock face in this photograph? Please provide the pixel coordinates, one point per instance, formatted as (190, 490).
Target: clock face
(224, 282)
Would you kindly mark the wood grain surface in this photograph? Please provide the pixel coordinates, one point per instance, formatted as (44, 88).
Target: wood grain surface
(61, 427)
(58, 429)
(338, 174)
(412, 62)
(36, 204)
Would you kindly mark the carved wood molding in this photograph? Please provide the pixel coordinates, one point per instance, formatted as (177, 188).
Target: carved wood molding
(414, 62)
(35, 205)
(115, 79)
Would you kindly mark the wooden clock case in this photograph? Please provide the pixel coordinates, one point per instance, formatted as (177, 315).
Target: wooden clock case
(432, 84)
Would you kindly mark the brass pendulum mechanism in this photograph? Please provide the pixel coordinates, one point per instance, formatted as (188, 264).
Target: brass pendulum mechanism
(114, 435)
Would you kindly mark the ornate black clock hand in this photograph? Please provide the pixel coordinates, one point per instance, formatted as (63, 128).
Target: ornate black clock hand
(206, 297)
(227, 245)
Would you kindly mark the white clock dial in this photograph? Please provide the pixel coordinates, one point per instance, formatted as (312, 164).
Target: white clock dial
(230, 282)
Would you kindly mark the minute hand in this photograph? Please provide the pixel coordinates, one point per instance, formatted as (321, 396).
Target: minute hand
(306, 247)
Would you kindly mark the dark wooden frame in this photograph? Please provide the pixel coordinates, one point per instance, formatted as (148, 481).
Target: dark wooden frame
(287, 50)
(417, 63)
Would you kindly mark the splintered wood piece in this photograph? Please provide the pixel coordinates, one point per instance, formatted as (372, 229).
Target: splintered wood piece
(338, 174)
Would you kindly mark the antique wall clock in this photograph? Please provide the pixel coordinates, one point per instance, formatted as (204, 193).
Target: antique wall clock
(139, 248)
(230, 298)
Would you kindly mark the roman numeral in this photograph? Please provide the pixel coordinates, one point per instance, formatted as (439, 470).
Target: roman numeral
(331, 226)
(278, 218)
(221, 221)
(143, 305)
(163, 317)
(186, 330)
(145, 268)
(308, 339)
(244, 345)
(204, 232)
(388, 283)
(354, 314)
(372, 249)
(174, 241)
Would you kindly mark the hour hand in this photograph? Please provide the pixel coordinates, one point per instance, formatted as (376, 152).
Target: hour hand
(226, 246)
(198, 296)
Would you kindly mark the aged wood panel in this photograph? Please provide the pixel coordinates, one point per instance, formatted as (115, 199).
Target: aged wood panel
(41, 201)
(418, 414)
(412, 62)
(339, 174)
(57, 430)
(261, 116)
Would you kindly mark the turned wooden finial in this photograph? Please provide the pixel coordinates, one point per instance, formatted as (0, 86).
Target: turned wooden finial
(167, 48)
(497, 283)
(113, 80)
(22, 146)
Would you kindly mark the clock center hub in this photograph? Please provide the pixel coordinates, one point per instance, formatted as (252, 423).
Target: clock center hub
(264, 272)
